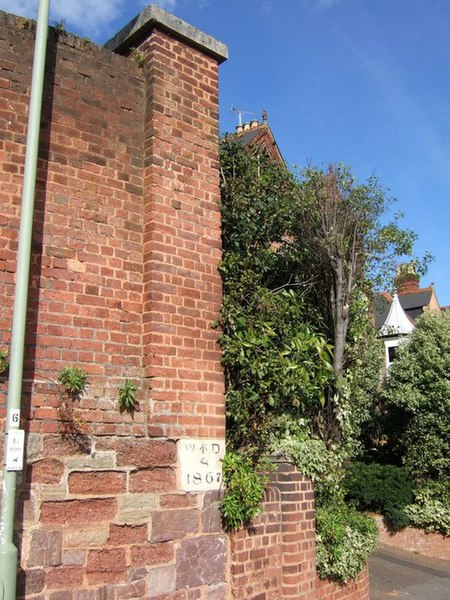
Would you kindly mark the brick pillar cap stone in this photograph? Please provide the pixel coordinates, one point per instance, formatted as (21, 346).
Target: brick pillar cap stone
(155, 17)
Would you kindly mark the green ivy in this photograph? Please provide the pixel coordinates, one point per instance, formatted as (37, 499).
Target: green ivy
(245, 483)
(345, 540)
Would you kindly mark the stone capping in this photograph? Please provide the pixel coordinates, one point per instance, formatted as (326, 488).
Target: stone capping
(155, 17)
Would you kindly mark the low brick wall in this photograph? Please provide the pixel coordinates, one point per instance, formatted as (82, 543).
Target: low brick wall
(354, 590)
(274, 558)
(415, 540)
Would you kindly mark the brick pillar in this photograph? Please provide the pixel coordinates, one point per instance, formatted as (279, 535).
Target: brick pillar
(182, 287)
(298, 532)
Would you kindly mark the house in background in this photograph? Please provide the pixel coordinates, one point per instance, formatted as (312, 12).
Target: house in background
(395, 315)
(257, 135)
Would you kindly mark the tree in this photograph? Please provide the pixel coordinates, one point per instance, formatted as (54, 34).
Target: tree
(416, 419)
(350, 250)
(416, 400)
(276, 362)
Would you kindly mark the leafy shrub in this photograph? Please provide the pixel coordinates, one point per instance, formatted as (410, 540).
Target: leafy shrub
(430, 509)
(417, 400)
(382, 488)
(245, 483)
(345, 540)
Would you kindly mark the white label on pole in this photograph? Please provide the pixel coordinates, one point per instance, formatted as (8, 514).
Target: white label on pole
(201, 464)
(14, 450)
(14, 417)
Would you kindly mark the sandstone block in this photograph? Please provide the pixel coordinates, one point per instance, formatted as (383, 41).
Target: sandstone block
(121, 535)
(152, 554)
(45, 549)
(97, 482)
(85, 537)
(81, 512)
(146, 453)
(173, 524)
(48, 470)
(153, 480)
(201, 561)
(136, 509)
(161, 581)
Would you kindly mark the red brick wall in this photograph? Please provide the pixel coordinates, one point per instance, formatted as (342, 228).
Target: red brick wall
(415, 540)
(182, 288)
(274, 558)
(353, 590)
(124, 284)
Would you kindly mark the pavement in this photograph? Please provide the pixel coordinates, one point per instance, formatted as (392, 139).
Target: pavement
(402, 575)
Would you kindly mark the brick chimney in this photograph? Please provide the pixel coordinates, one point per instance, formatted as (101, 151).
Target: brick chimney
(407, 280)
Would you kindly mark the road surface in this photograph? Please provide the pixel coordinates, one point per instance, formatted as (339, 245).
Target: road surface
(401, 575)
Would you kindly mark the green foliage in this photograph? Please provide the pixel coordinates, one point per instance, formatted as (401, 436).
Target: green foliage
(416, 401)
(127, 397)
(325, 466)
(4, 362)
(245, 483)
(430, 509)
(283, 388)
(345, 540)
(382, 488)
(74, 380)
(275, 362)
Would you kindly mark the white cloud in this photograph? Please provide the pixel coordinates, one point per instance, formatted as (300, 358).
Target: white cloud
(81, 16)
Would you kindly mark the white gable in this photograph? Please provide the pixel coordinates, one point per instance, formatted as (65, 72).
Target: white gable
(396, 323)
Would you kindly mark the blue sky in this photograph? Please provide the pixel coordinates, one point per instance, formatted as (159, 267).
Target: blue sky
(364, 82)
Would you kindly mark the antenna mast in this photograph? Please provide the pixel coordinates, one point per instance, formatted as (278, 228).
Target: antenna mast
(239, 112)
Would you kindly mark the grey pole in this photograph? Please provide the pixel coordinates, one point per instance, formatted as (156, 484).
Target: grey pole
(8, 551)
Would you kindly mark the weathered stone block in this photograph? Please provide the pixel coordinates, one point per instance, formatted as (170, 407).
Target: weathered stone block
(74, 558)
(201, 561)
(173, 524)
(211, 517)
(85, 537)
(106, 559)
(146, 453)
(95, 461)
(161, 581)
(64, 577)
(97, 482)
(80, 512)
(48, 470)
(121, 535)
(57, 445)
(45, 549)
(152, 554)
(153, 480)
(30, 582)
(136, 509)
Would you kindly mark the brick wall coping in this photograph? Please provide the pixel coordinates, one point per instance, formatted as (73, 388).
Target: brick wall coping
(153, 16)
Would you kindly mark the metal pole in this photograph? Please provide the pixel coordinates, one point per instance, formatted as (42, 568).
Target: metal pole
(8, 551)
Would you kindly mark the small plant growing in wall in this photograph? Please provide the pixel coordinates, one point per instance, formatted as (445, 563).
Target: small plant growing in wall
(60, 27)
(4, 362)
(138, 56)
(74, 382)
(127, 397)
